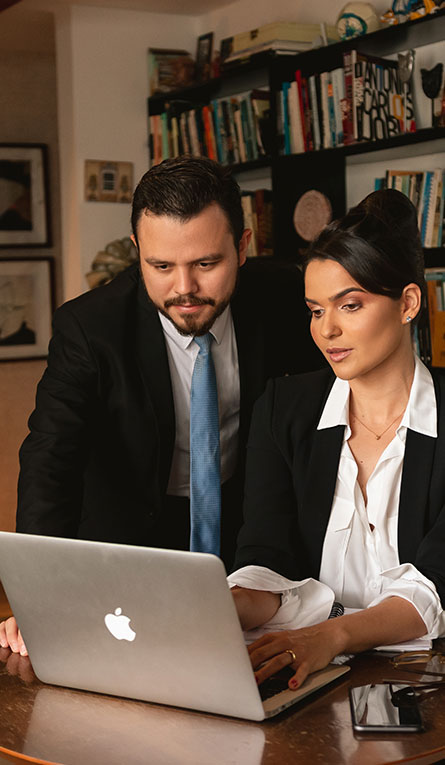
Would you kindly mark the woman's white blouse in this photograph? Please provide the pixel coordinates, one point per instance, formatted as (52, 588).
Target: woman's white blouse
(360, 567)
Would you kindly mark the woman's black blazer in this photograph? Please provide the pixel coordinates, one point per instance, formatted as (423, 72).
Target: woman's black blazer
(291, 476)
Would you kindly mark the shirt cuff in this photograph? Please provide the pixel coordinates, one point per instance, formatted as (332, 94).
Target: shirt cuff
(405, 581)
(303, 602)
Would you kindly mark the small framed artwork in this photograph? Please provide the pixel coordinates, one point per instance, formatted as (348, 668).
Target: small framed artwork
(26, 307)
(108, 181)
(24, 210)
(204, 57)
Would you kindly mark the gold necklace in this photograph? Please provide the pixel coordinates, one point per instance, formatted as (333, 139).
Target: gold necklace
(378, 437)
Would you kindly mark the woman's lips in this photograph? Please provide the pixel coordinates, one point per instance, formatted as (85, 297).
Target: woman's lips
(338, 354)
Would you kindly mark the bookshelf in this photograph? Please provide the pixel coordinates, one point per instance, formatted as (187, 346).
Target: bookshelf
(333, 171)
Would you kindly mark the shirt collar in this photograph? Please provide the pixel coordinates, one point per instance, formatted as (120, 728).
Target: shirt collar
(218, 329)
(420, 414)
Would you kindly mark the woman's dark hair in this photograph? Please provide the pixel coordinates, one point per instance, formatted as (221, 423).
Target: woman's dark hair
(377, 242)
(183, 187)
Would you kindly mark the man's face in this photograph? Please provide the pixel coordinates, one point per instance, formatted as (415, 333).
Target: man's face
(190, 268)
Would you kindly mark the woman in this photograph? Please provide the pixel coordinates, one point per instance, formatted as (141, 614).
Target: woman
(345, 479)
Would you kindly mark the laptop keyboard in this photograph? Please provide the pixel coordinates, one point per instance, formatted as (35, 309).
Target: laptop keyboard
(276, 683)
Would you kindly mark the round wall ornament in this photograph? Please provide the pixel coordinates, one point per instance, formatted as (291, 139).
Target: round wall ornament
(312, 213)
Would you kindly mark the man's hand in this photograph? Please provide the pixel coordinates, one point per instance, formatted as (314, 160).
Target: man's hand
(11, 637)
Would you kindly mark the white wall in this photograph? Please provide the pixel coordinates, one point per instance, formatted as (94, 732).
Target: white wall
(102, 92)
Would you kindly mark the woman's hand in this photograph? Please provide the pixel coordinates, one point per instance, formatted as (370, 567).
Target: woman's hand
(313, 648)
(11, 637)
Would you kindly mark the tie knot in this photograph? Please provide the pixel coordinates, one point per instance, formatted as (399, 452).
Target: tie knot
(204, 342)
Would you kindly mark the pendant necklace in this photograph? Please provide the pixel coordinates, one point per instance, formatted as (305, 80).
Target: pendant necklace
(376, 435)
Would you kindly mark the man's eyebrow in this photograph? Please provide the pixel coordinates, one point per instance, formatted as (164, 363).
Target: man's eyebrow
(213, 257)
(337, 296)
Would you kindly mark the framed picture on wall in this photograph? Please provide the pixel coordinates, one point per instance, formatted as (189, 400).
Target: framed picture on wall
(24, 212)
(26, 307)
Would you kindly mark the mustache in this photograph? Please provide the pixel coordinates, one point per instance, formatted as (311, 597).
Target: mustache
(189, 300)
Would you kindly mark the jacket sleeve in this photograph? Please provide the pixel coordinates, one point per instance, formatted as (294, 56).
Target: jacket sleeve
(269, 536)
(53, 456)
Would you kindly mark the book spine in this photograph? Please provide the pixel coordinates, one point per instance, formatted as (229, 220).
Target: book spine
(432, 208)
(331, 110)
(300, 106)
(314, 112)
(164, 133)
(286, 122)
(251, 125)
(296, 128)
(338, 93)
(239, 130)
(219, 132)
(327, 135)
(348, 125)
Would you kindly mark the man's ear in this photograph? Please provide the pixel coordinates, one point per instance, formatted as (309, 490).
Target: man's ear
(243, 246)
(132, 237)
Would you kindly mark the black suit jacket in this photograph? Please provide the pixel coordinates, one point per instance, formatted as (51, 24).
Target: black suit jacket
(96, 463)
(291, 475)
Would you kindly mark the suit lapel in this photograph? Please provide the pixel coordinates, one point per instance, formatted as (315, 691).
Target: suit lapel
(414, 493)
(321, 478)
(152, 360)
(416, 481)
(251, 355)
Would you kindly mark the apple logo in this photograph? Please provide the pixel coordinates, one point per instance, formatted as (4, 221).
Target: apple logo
(119, 625)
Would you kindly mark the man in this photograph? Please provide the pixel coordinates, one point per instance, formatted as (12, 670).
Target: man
(108, 454)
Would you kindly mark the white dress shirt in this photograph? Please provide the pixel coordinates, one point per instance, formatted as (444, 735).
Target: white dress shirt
(182, 352)
(360, 566)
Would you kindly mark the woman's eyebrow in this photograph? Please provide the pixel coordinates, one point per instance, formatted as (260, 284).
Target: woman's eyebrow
(338, 295)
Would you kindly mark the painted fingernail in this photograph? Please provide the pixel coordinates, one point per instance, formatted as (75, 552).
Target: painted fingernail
(23, 651)
(293, 684)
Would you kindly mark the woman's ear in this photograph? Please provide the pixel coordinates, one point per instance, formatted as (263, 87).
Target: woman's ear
(411, 302)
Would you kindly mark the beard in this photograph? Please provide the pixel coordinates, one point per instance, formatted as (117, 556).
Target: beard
(194, 325)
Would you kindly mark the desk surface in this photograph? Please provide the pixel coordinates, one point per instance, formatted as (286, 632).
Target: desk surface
(41, 723)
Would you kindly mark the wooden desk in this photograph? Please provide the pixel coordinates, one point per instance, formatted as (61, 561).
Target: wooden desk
(42, 723)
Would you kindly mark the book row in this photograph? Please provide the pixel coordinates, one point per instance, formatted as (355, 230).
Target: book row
(231, 130)
(426, 190)
(364, 100)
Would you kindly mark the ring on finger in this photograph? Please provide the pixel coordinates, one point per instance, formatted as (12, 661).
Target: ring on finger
(292, 655)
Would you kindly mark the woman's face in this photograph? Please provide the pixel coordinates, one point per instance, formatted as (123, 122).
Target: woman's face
(357, 331)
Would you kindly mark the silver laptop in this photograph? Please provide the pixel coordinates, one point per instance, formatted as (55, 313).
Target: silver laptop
(149, 624)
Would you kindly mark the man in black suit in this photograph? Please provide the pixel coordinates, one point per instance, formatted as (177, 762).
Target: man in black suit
(107, 454)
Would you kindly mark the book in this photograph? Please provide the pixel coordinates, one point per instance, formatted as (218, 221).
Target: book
(432, 208)
(295, 124)
(280, 31)
(250, 222)
(314, 112)
(327, 134)
(286, 121)
(382, 106)
(261, 114)
(346, 104)
(338, 86)
(437, 325)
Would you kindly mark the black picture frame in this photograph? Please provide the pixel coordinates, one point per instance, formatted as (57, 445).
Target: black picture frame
(24, 199)
(204, 51)
(26, 307)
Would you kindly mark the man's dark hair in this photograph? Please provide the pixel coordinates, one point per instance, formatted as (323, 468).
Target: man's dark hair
(183, 187)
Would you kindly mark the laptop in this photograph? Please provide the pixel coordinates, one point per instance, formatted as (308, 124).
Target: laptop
(145, 623)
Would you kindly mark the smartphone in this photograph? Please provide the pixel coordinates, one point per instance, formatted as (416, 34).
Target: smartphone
(385, 708)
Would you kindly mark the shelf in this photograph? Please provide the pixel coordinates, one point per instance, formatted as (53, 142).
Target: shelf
(434, 256)
(254, 164)
(365, 147)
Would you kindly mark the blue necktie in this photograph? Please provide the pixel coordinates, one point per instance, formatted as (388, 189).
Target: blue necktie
(205, 476)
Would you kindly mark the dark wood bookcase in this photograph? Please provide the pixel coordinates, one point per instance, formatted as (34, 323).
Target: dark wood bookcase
(325, 170)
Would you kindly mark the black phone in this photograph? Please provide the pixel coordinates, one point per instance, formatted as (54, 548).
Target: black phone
(385, 708)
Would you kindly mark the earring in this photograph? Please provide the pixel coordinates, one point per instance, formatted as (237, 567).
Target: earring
(408, 319)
